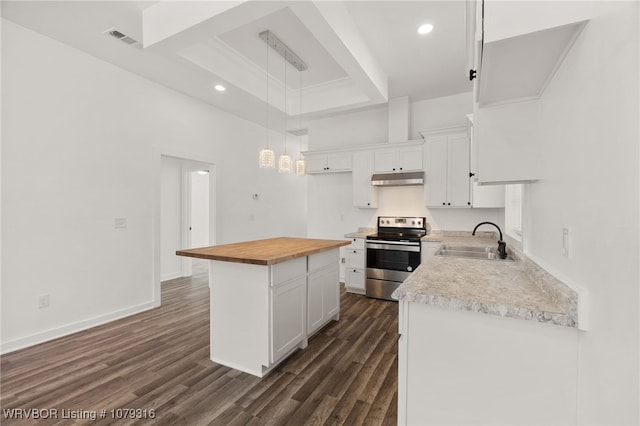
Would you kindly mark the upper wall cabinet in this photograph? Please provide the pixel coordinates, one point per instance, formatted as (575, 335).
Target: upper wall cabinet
(365, 195)
(328, 162)
(515, 47)
(398, 160)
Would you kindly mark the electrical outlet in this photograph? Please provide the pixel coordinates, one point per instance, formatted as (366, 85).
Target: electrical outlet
(43, 301)
(343, 260)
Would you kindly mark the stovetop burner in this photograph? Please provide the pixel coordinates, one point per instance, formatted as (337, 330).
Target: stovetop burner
(400, 229)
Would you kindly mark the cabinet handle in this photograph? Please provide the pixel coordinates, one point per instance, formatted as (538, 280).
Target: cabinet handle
(355, 270)
(448, 204)
(472, 74)
(400, 168)
(444, 204)
(468, 203)
(471, 174)
(394, 169)
(368, 204)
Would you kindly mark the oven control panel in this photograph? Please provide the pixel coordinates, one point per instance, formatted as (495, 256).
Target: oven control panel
(401, 222)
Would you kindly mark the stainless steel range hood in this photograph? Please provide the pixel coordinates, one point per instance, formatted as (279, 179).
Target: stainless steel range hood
(397, 179)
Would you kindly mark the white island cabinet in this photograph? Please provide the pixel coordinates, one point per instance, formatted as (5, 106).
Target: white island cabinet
(268, 297)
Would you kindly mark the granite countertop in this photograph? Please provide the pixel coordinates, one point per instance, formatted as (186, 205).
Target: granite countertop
(264, 252)
(361, 233)
(518, 289)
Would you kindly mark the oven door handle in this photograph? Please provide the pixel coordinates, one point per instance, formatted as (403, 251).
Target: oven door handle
(392, 245)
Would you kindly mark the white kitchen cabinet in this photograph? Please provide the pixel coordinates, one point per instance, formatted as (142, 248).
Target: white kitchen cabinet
(288, 316)
(521, 45)
(328, 162)
(323, 291)
(448, 174)
(451, 181)
(398, 160)
(365, 195)
(488, 196)
(447, 358)
(355, 266)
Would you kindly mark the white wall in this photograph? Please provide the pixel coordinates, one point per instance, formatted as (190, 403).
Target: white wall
(199, 209)
(331, 211)
(82, 142)
(170, 218)
(589, 118)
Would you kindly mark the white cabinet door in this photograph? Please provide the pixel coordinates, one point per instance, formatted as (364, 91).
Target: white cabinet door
(315, 164)
(327, 163)
(365, 195)
(355, 279)
(410, 159)
(332, 292)
(323, 298)
(458, 180)
(288, 317)
(448, 174)
(384, 161)
(437, 173)
(339, 162)
(398, 160)
(315, 300)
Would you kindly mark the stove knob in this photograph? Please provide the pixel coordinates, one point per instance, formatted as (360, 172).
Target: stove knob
(409, 268)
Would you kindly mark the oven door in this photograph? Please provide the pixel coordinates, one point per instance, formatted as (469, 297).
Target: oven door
(399, 256)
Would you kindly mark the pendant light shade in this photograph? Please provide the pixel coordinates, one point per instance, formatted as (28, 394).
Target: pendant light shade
(267, 158)
(300, 167)
(284, 164)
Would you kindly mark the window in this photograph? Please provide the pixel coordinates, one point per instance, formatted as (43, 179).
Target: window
(513, 211)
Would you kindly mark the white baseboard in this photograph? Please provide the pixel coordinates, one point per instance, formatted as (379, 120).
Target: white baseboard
(54, 333)
(170, 276)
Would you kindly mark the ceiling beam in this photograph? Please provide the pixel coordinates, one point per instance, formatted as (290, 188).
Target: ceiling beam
(168, 18)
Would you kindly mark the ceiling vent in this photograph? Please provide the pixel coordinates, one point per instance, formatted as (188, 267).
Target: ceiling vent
(120, 36)
(298, 132)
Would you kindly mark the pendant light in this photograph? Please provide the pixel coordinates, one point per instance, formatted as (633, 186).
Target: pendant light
(267, 158)
(300, 164)
(284, 162)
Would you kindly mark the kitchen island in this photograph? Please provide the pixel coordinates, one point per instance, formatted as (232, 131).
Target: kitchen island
(268, 296)
(486, 341)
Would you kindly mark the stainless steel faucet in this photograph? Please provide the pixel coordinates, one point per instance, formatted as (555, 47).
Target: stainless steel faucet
(502, 246)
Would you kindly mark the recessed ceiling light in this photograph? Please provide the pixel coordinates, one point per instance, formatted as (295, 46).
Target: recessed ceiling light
(219, 87)
(425, 29)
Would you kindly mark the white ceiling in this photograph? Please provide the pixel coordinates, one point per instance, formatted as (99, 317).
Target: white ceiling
(359, 53)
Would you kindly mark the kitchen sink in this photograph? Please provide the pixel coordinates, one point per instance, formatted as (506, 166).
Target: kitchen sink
(471, 252)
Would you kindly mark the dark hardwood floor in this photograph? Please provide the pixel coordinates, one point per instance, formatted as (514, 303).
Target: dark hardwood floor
(159, 360)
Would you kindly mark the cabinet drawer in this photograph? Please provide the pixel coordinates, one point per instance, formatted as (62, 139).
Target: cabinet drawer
(286, 271)
(355, 259)
(320, 260)
(356, 244)
(355, 278)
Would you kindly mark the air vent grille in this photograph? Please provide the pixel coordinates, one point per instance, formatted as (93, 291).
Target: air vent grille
(299, 132)
(121, 36)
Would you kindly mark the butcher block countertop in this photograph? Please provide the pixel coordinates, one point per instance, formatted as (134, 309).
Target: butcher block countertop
(264, 252)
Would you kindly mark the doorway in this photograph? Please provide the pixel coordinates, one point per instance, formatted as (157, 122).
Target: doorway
(187, 210)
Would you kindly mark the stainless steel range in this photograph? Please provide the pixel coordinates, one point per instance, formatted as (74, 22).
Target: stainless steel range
(393, 253)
